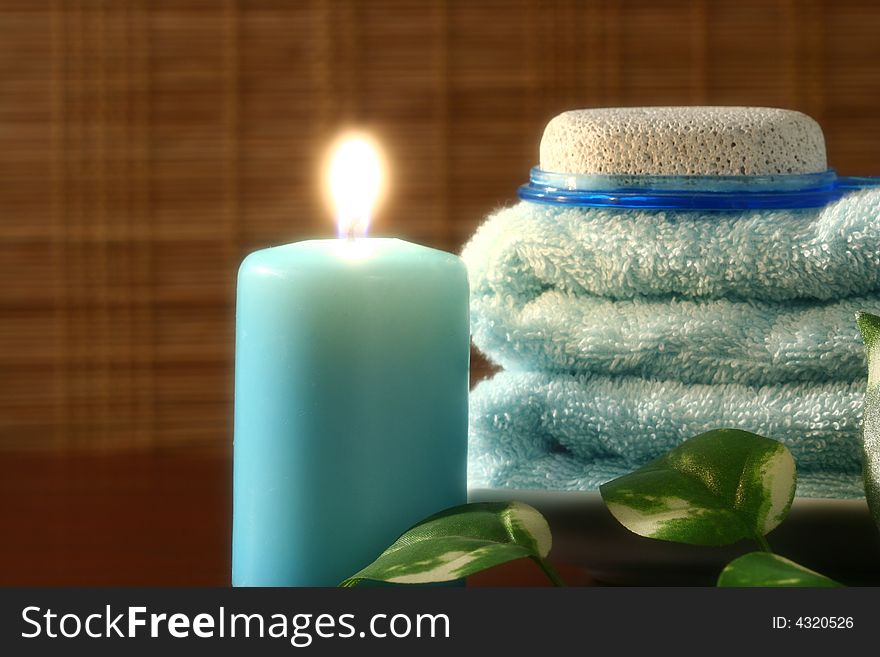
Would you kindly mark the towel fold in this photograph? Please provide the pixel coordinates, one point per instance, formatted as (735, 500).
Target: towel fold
(574, 432)
(771, 255)
(704, 341)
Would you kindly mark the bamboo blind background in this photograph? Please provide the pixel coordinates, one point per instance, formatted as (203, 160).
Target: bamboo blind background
(146, 146)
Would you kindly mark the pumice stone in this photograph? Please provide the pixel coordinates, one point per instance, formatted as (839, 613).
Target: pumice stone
(683, 141)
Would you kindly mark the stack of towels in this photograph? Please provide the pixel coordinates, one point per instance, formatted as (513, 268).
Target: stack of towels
(623, 332)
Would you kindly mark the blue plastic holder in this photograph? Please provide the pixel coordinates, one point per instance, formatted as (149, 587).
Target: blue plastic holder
(809, 190)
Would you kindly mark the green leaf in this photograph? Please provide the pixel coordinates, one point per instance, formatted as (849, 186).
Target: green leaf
(713, 489)
(459, 542)
(870, 328)
(766, 569)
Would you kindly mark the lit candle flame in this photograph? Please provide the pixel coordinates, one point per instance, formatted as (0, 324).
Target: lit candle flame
(354, 179)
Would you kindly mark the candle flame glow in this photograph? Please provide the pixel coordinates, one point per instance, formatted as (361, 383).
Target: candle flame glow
(354, 180)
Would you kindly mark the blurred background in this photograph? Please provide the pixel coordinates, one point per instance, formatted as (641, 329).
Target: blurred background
(147, 146)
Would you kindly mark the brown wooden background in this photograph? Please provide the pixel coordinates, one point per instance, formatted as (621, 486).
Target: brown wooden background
(145, 146)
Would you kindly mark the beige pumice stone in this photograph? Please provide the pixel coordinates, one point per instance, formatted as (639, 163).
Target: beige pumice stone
(693, 141)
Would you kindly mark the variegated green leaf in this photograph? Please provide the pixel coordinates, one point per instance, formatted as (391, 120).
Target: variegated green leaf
(870, 328)
(459, 542)
(713, 489)
(767, 569)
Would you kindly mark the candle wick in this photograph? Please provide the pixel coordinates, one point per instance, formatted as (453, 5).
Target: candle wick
(352, 230)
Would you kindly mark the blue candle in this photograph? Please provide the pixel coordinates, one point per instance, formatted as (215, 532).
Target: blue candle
(350, 404)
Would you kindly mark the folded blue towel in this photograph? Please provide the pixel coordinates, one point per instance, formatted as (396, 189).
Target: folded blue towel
(771, 255)
(626, 332)
(567, 432)
(702, 341)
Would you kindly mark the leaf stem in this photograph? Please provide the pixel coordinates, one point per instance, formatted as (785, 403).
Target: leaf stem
(549, 570)
(762, 541)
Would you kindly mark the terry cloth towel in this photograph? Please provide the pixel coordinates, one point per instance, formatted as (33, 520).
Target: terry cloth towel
(537, 272)
(693, 341)
(575, 432)
(625, 332)
(771, 255)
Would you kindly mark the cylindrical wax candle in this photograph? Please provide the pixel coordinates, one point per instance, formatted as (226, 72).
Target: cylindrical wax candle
(350, 404)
